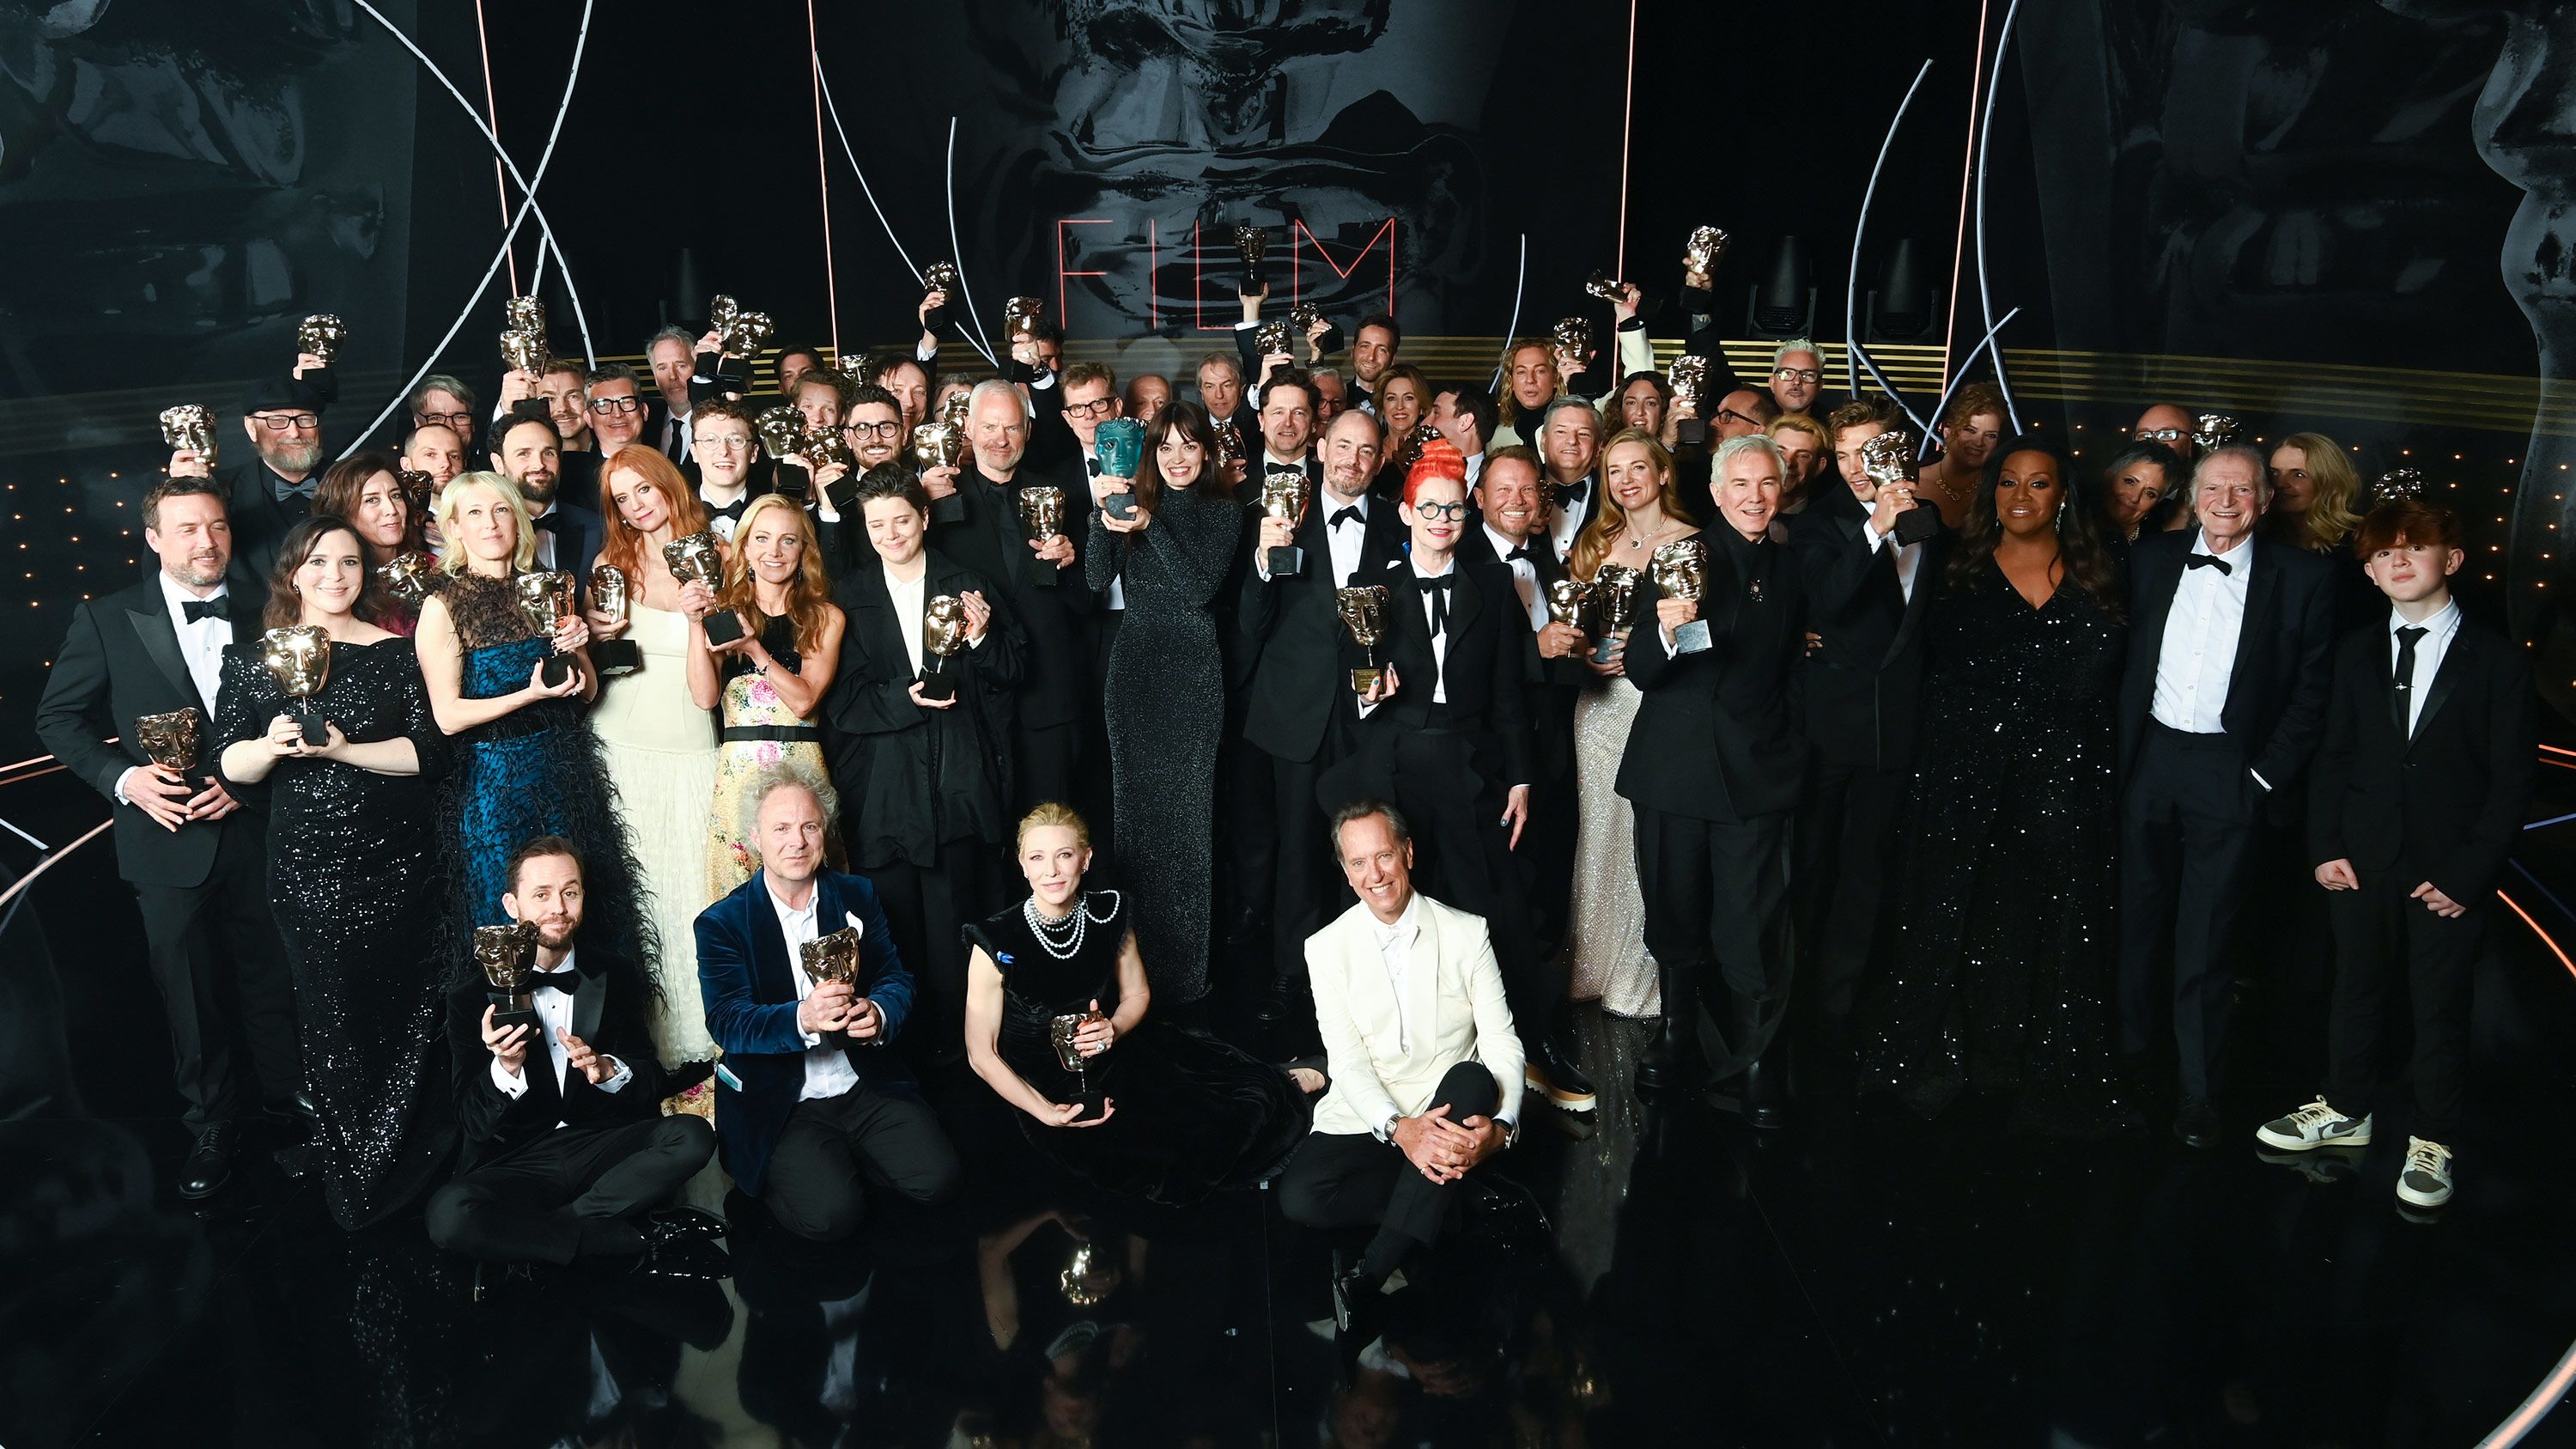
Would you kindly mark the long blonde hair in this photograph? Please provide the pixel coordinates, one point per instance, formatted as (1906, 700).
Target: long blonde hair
(809, 593)
(1593, 544)
(2329, 523)
(451, 544)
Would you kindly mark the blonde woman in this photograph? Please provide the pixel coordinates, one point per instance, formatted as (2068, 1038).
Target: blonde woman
(774, 677)
(2313, 489)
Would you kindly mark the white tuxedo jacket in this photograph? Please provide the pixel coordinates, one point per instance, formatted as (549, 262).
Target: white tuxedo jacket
(1453, 1012)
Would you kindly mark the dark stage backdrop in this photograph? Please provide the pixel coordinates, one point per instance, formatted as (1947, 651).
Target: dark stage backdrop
(2302, 211)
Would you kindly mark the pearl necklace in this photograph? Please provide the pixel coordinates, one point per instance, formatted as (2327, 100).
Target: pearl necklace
(1062, 938)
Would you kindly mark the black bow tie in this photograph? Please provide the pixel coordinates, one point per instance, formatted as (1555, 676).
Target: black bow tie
(1093, 465)
(218, 607)
(1342, 515)
(1441, 583)
(1521, 554)
(731, 510)
(1573, 492)
(549, 522)
(563, 981)
(303, 490)
(2204, 561)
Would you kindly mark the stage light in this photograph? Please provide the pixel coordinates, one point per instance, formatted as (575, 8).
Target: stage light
(1784, 306)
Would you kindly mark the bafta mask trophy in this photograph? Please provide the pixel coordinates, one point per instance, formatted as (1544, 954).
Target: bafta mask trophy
(523, 334)
(1573, 339)
(824, 446)
(610, 594)
(2212, 430)
(1251, 243)
(1283, 496)
(545, 596)
(1119, 444)
(1888, 460)
(171, 740)
(1229, 446)
(1021, 316)
(190, 427)
(940, 277)
(1690, 384)
(1701, 254)
(321, 334)
(1063, 1034)
(417, 487)
(1567, 599)
(938, 445)
(1042, 515)
(1680, 569)
(743, 334)
(721, 310)
(781, 430)
(1271, 338)
(695, 559)
(1302, 322)
(1603, 286)
(299, 659)
(1614, 607)
(832, 959)
(524, 314)
(953, 409)
(407, 576)
(2399, 483)
(943, 633)
(1363, 612)
(508, 956)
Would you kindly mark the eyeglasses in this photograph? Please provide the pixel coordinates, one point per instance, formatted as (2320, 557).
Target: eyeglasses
(1725, 413)
(889, 429)
(721, 442)
(1807, 375)
(456, 421)
(1099, 407)
(607, 405)
(1444, 512)
(2158, 435)
(285, 422)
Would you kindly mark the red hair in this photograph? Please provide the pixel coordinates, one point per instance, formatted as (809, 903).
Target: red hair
(1440, 459)
(623, 545)
(2407, 521)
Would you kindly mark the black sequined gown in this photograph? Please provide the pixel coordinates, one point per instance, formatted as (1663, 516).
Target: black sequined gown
(1190, 1115)
(1164, 688)
(352, 866)
(2006, 948)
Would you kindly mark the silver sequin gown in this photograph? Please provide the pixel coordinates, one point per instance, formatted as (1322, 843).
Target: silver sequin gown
(353, 876)
(1605, 936)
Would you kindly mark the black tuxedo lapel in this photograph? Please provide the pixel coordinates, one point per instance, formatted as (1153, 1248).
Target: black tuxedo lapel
(589, 998)
(2155, 595)
(159, 634)
(2260, 593)
(1925, 563)
(1465, 603)
(2456, 661)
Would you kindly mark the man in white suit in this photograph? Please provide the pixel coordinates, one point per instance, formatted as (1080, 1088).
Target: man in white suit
(1426, 1066)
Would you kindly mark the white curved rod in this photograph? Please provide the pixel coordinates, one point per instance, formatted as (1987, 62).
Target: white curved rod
(1971, 360)
(964, 289)
(1985, 138)
(1514, 330)
(861, 172)
(1860, 228)
(1889, 388)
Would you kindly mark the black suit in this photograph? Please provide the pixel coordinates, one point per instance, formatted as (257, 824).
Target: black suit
(203, 888)
(2190, 800)
(546, 1172)
(578, 531)
(1861, 688)
(261, 507)
(1297, 712)
(1048, 603)
(1547, 847)
(2443, 805)
(1713, 767)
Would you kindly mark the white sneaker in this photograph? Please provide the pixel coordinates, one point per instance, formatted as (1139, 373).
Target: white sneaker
(2426, 1179)
(2312, 1126)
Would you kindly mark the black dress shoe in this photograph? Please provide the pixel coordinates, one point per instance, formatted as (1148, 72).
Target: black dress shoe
(1504, 1219)
(693, 1259)
(683, 1225)
(1353, 1295)
(210, 1161)
(2197, 1123)
(1549, 1067)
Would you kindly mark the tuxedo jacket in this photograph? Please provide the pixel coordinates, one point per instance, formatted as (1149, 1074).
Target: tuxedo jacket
(990, 540)
(120, 661)
(578, 531)
(1383, 1060)
(2444, 805)
(1291, 635)
(2276, 695)
(260, 519)
(608, 1012)
(1862, 685)
(1717, 735)
(1484, 670)
(750, 993)
(1553, 684)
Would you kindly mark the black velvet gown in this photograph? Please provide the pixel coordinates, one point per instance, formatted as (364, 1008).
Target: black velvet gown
(2006, 948)
(1190, 1114)
(352, 866)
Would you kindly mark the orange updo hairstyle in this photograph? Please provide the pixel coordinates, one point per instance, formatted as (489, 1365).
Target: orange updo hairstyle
(1440, 459)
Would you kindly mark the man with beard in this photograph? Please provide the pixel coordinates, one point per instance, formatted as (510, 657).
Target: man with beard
(1373, 349)
(873, 428)
(561, 386)
(527, 452)
(266, 495)
(566, 1148)
(1797, 377)
(907, 381)
(437, 450)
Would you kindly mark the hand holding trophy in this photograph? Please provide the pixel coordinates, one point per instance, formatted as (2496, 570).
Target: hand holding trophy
(1363, 612)
(1689, 384)
(1283, 497)
(1614, 606)
(1680, 569)
(508, 957)
(190, 428)
(943, 633)
(1251, 243)
(696, 560)
(1120, 445)
(610, 596)
(298, 657)
(1888, 461)
(1700, 256)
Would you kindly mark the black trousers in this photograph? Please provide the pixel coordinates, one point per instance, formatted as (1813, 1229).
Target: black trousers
(1846, 832)
(1350, 1179)
(2379, 932)
(1714, 891)
(926, 908)
(197, 937)
(1042, 758)
(1288, 869)
(530, 1204)
(832, 1149)
(2186, 832)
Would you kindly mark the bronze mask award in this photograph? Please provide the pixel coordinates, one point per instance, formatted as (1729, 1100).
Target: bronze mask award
(1283, 495)
(609, 593)
(781, 430)
(1061, 1034)
(1690, 383)
(937, 445)
(1573, 336)
(545, 596)
(407, 576)
(695, 559)
(1701, 254)
(1021, 314)
(299, 659)
(943, 633)
(1567, 598)
(1042, 516)
(417, 487)
(1269, 338)
(743, 334)
(508, 956)
(171, 740)
(1251, 243)
(825, 446)
(1302, 320)
(833, 959)
(1604, 286)
(192, 427)
(1363, 612)
(321, 334)
(2213, 430)
(1614, 600)
(523, 351)
(1888, 461)
(1680, 569)
(939, 277)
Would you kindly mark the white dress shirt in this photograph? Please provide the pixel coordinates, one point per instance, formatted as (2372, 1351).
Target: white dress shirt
(545, 537)
(554, 1022)
(719, 524)
(1439, 635)
(1343, 541)
(2439, 631)
(1395, 946)
(828, 1072)
(683, 427)
(1909, 557)
(910, 599)
(202, 643)
(1563, 524)
(2198, 656)
(1524, 579)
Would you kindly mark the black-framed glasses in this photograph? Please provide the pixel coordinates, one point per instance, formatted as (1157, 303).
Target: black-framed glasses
(891, 428)
(606, 405)
(1723, 414)
(284, 422)
(1099, 407)
(1807, 375)
(1444, 512)
(457, 422)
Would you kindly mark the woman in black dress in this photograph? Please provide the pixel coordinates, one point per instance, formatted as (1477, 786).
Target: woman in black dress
(1165, 685)
(353, 830)
(2006, 948)
(1154, 1111)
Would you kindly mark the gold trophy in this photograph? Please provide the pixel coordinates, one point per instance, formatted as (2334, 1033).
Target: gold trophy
(609, 593)
(938, 445)
(1283, 495)
(781, 429)
(832, 960)
(1019, 315)
(953, 410)
(1567, 599)
(321, 334)
(743, 334)
(1573, 337)
(2397, 483)
(1251, 243)
(939, 277)
(1614, 603)
(1701, 254)
(1363, 612)
(721, 310)
(1690, 383)
(1680, 569)
(943, 633)
(1042, 514)
(1302, 320)
(824, 446)
(545, 596)
(298, 657)
(1229, 446)
(1269, 338)
(523, 351)
(1061, 1034)
(695, 559)
(1888, 461)
(190, 426)
(1086, 1281)
(2213, 430)
(417, 487)
(1601, 285)
(508, 956)
(407, 576)
(171, 740)
(524, 314)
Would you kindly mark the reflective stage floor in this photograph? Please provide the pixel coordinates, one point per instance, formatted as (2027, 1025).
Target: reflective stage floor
(1860, 1278)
